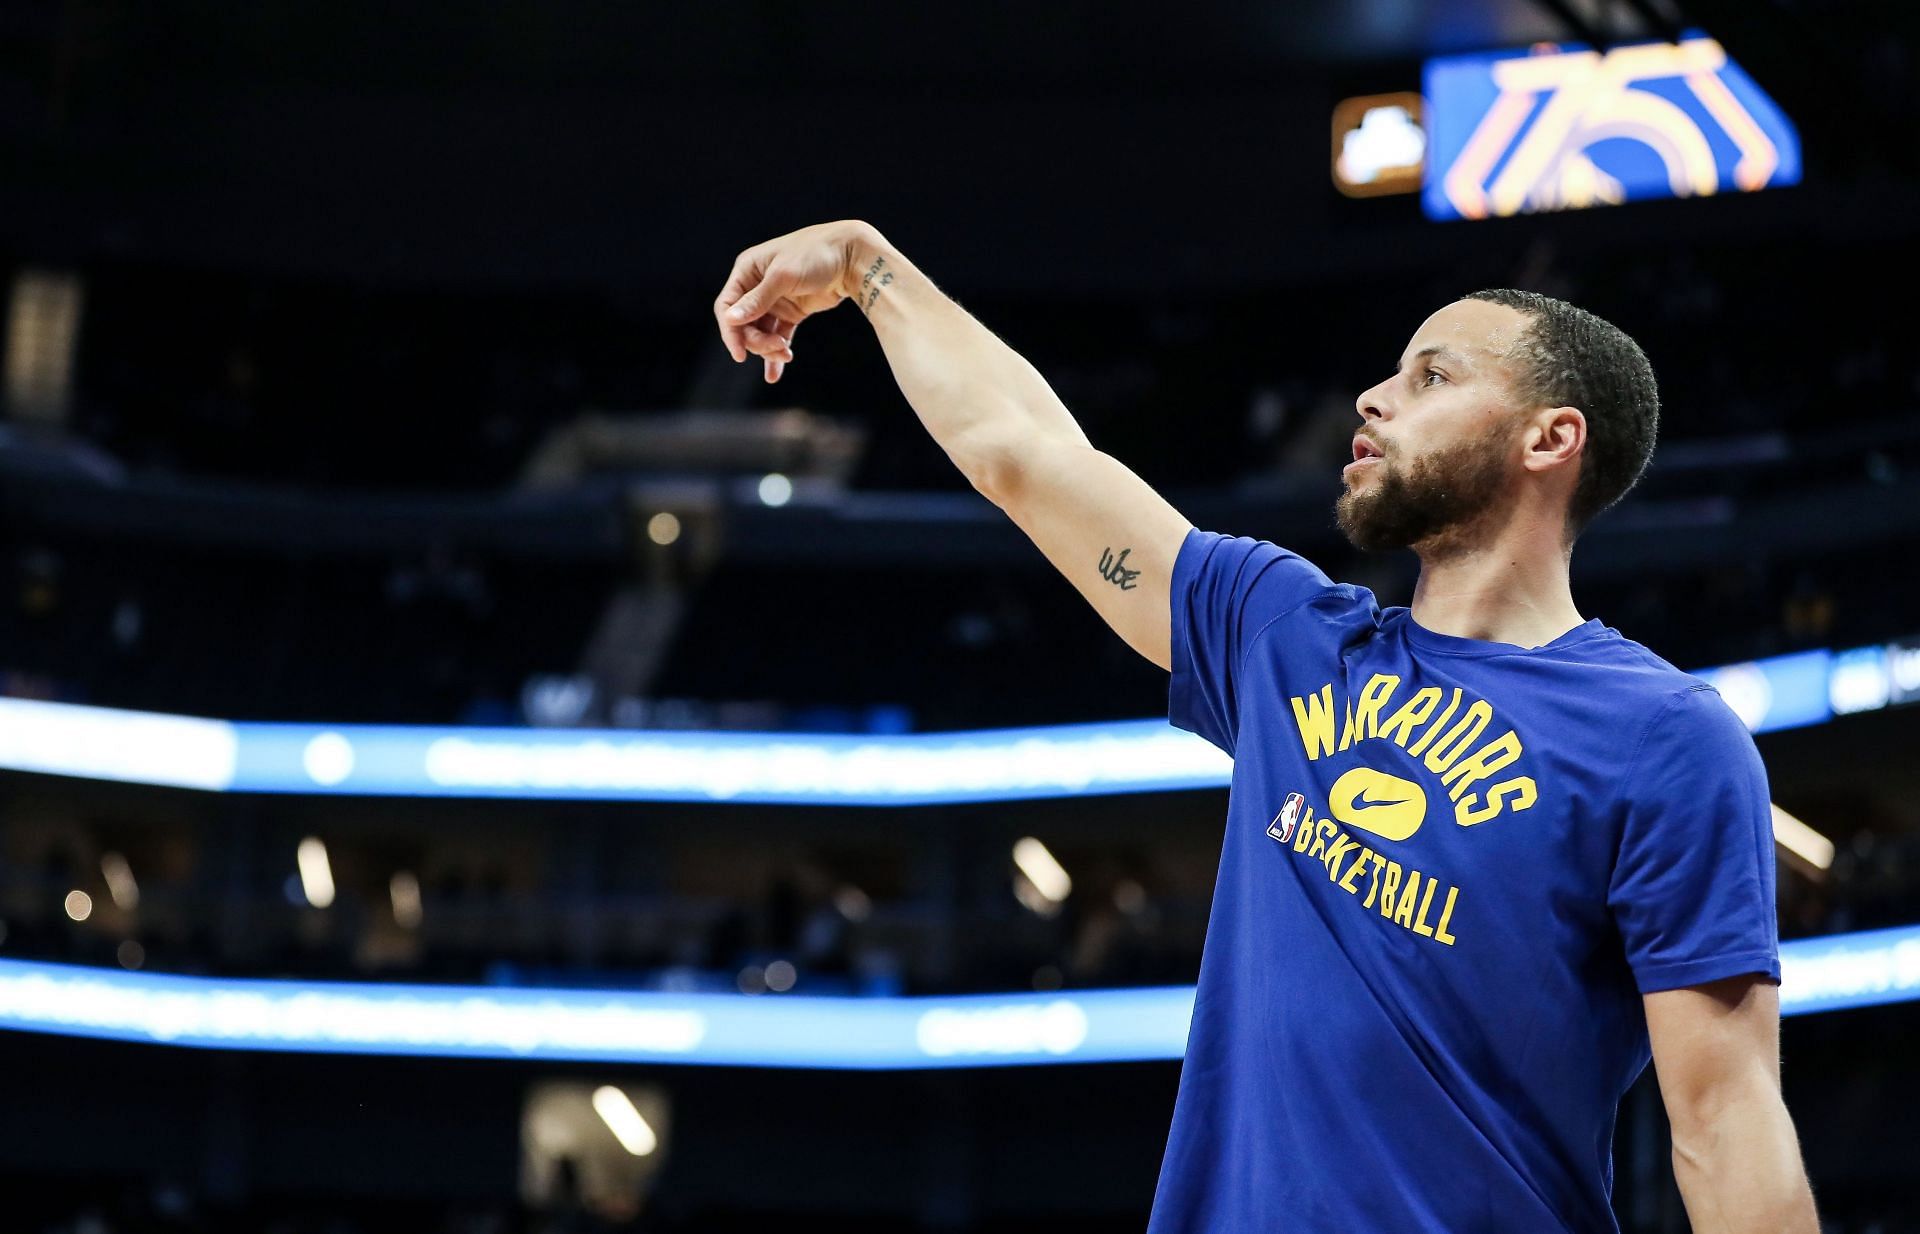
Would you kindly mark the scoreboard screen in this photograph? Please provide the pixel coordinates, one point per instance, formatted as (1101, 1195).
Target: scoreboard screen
(1560, 127)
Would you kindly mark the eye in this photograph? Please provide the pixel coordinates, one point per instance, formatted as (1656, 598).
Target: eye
(1431, 373)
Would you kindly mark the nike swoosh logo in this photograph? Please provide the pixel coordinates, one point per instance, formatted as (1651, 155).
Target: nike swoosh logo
(1378, 802)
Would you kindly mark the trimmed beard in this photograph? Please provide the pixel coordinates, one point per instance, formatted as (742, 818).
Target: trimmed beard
(1437, 505)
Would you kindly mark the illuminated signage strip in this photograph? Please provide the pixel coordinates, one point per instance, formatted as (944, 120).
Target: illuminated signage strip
(101, 743)
(906, 769)
(634, 765)
(874, 1034)
(1863, 969)
(585, 1026)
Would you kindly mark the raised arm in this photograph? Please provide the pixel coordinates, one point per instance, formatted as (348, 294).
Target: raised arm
(1101, 525)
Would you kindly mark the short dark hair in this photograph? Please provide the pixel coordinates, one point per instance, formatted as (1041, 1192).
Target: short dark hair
(1571, 358)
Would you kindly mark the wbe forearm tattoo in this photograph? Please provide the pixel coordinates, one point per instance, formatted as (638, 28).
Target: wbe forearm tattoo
(1114, 569)
(876, 277)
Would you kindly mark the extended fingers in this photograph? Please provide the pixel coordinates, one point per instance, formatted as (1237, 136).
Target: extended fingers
(744, 276)
(769, 337)
(785, 330)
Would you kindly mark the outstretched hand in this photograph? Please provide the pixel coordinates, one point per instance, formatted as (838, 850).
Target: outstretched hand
(779, 284)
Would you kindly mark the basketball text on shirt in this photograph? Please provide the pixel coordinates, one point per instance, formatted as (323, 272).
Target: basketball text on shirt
(1402, 894)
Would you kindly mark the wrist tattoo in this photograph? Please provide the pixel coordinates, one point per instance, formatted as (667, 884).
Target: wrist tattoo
(1114, 569)
(876, 277)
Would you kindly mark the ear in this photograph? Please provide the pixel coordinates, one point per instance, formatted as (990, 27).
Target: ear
(1554, 437)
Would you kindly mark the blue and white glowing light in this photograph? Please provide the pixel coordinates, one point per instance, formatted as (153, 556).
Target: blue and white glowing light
(595, 1025)
(609, 764)
(877, 1034)
(880, 769)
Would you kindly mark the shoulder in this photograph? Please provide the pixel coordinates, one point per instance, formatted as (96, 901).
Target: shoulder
(1691, 746)
(1655, 706)
(1695, 712)
(1647, 687)
(1264, 578)
(1218, 550)
(1667, 700)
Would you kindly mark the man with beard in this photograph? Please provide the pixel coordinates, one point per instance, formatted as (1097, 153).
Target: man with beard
(1528, 854)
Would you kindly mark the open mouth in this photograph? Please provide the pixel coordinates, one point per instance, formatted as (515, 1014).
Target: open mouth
(1365, 451)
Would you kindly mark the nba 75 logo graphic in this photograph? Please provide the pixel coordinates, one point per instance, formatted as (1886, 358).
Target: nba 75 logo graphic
(1559, 128)
(1281, 828)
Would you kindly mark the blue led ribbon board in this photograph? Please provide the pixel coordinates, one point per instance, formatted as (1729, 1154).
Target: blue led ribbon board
(1564, 127)
(892, 769)
(866, 1034)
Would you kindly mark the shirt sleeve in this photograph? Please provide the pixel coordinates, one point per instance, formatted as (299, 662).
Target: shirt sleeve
(1226, 589)
(1692, 888)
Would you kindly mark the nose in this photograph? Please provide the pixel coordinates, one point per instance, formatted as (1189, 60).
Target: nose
(1368, 405)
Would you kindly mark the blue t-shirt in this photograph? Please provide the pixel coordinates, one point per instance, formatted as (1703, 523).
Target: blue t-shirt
(1451, 869)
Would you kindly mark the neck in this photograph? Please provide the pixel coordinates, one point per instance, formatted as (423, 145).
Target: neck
(1506, 583)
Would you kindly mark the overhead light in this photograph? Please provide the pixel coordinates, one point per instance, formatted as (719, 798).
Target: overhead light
(328, 759)
(43, 327)
(79, 905)
(120, 884)
(316, 876)
(853, 903)
(404, 890)
(663, 528)
(616, 1109)
(775, 489)
(780, 976)
(1801, 840)
(1047, 875)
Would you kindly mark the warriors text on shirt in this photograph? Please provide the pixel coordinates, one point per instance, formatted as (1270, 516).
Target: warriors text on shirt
(1448, 744)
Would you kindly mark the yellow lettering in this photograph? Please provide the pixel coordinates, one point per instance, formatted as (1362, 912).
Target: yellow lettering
(1354, 867)
(1460, 736)
(1466, 813)
(1303, 830)
(1399, 725)
(1446, 715)
(1373, 886)
(1346, 731)
(1489, 758)
(1322, 832)
(1389, 888)
(1315, 721)
(1338, 850)
(1420, 925)
(1366, 716)
(1403, 908)
(1440, 934)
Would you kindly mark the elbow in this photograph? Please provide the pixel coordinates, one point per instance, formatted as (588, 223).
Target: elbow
(1695, 1127)
(1704, 1131)
(993, 465)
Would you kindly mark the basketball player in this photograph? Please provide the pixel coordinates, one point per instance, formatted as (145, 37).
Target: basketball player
(1527, 853)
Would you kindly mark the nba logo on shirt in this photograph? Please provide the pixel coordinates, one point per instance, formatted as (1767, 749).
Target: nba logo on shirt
(1281, 828)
